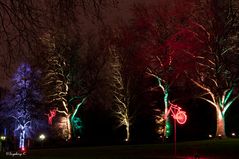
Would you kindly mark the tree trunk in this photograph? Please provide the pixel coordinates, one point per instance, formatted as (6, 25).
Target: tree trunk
(127, 133)
(167, 122)
(220, 124)
(63, 127)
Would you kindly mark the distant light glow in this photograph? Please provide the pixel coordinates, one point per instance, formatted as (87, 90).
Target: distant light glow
(23, 150)
(233, 134)
(42, 137)
(210, 136)
(3, 138)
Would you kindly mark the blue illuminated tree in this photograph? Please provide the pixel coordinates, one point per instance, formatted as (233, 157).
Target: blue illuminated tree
(22, 105)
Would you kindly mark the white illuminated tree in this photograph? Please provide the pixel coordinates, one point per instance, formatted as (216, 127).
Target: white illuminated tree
(120, 91)
(55, 83)
(211, 41)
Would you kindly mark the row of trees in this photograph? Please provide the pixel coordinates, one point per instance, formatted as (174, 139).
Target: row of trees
(201, 47)
(165, 48)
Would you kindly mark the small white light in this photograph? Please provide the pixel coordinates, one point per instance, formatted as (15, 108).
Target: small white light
(3, 137)
(233, 134)
(210, 136)
(219, 135)
(42, 137)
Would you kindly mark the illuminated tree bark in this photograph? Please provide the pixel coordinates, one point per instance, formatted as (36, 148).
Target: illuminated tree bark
(76, 121)
(211, 41)
(62, 43)
(220, 124)
(164, 87)
(120, 92)
(152, 29)
(221, 105)
(56, 87)
(22, 106)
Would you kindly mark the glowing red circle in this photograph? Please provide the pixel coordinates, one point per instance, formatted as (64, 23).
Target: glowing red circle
(181, 117)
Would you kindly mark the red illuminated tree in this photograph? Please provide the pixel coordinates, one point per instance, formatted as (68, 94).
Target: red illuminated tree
(154, 30)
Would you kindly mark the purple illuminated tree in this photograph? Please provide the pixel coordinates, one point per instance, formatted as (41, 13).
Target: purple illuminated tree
(22, 106)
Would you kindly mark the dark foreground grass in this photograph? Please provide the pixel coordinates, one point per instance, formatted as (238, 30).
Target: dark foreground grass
(208, 149)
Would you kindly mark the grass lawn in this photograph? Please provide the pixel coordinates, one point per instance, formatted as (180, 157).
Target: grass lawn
(207, 149)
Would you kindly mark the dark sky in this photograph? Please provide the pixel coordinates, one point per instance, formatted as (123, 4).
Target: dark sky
(111, 15)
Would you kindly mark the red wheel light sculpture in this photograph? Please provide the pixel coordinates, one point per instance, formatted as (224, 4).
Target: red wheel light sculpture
(181, 117)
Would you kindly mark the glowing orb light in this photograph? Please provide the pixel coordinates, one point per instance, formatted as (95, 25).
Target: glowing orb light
(3, 138)
(42, 137)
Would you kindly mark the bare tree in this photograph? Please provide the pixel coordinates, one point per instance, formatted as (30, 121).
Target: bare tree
(216, 54)
(22, 106)
(120, 91)
(153, 29)
(19, 28)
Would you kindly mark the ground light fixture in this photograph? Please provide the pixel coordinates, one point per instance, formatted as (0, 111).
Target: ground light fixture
(42, 137)
(3, 137)
(233, 134)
